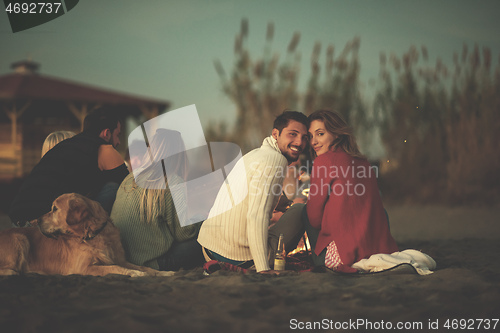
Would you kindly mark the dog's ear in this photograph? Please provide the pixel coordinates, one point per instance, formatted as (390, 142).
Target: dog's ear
(96, 211)
(96, 220)
(78, 211)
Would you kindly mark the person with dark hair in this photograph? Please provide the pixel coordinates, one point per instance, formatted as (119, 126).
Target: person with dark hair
(240, 234)
(344, 217)
(96, 122)
(87, 163)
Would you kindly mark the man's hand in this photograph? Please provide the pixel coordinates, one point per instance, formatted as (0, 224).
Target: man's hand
(283, 204)
(275, 218)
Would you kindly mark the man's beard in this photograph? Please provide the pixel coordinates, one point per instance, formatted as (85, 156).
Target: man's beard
(291, 159)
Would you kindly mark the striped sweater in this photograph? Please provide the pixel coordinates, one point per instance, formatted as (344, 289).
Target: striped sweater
(241, 232)
(146, 241)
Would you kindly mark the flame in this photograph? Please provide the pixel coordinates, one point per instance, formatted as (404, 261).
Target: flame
(303, 245)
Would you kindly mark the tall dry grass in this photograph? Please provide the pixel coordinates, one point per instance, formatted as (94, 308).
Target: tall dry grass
(440, 126)
(263, 86)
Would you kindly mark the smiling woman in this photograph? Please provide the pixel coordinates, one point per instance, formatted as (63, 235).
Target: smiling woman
(344, 217)
(321, 139)
(328, 130)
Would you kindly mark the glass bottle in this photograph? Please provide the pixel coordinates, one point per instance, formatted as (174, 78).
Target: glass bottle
(280, 258)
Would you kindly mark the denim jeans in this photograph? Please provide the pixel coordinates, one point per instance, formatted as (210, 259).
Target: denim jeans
(243, 264)
(106, 197)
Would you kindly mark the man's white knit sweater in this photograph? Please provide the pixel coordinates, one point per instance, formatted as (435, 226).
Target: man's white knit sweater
(240, 233)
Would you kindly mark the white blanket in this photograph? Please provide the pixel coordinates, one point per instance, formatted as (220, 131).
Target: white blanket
(422, 263)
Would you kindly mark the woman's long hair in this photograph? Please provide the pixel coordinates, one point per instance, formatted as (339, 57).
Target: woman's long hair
(167, 153)
(337, 126)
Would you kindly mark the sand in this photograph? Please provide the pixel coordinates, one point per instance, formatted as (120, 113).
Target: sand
(463, 241)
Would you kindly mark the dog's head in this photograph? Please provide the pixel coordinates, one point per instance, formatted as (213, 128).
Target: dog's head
(73, 214)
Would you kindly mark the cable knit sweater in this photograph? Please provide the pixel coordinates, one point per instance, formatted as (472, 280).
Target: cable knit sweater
(240, 233)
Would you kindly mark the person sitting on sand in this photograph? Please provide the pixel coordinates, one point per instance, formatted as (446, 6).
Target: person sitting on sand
(240, 235)
(145, 213)
(54, 138)
(344, 216)
(87, 163)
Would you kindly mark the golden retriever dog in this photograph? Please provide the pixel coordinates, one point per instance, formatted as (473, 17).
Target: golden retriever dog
(75, 237)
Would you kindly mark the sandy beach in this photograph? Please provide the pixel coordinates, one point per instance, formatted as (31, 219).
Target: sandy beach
(463, 241)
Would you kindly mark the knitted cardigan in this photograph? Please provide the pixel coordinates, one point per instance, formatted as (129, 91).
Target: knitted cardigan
(241, 232)
(146, 241)
(345, 204)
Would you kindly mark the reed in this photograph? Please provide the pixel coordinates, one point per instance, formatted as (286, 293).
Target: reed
(439, 125)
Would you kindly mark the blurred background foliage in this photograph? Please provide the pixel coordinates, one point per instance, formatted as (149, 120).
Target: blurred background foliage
(439, 126)
(263, 87)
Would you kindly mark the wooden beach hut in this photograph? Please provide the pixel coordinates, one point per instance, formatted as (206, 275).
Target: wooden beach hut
(33, 105)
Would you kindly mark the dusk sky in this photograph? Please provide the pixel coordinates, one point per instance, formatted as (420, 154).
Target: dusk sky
(166, 49)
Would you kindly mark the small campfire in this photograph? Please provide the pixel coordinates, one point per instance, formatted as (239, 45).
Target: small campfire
(300, 258)
(302, 246)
